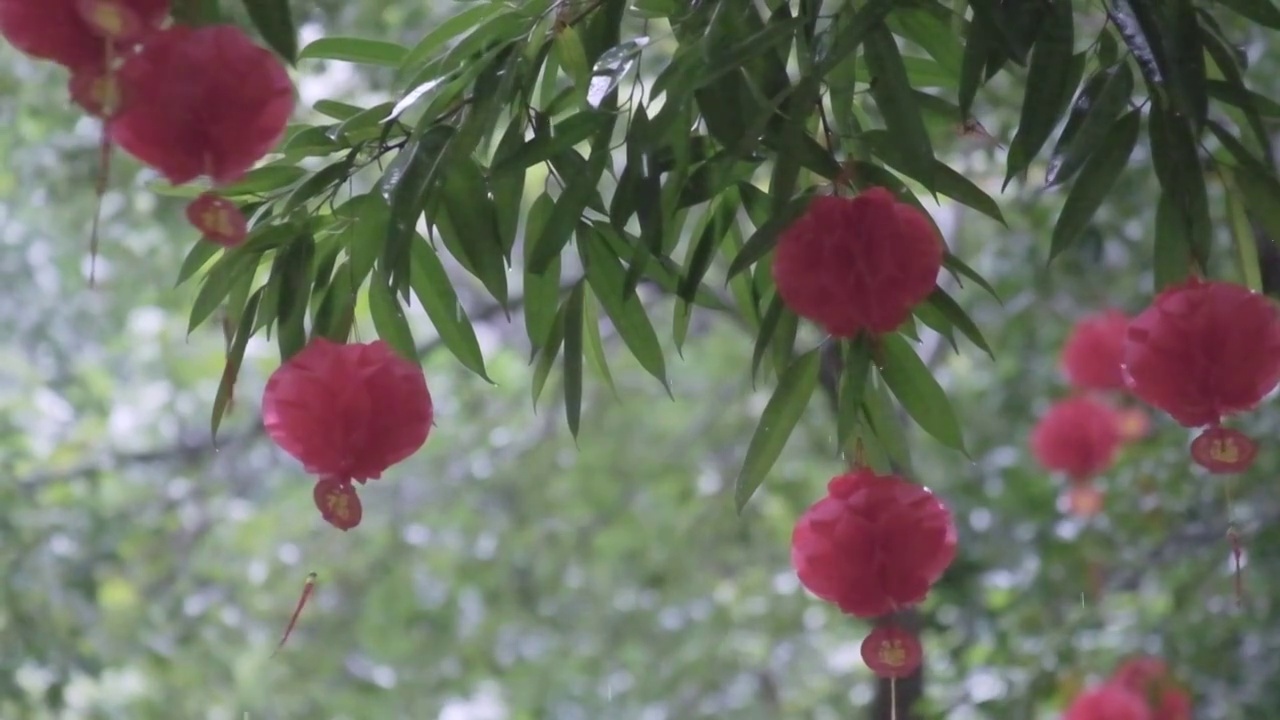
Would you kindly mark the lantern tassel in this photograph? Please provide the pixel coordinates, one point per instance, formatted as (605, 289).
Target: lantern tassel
(893, 699)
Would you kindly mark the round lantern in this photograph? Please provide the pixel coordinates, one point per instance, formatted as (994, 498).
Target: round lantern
(857, 264)
(1204, 350)
(202, 101)
(74, 33)
(1150, 678)
(1094, 352)
(123, 20)
(1109, 702)
(218, 219)
(347, 413)
(892, 652)
(873, 544)
(1078, 437)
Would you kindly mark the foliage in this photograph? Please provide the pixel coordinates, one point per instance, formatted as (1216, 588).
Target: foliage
(596, 167)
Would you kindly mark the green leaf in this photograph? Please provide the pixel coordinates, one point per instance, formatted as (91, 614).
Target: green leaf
(404, 186)
(388, 318)
(1097, 177)
(197, 256)
(594, 343)
(547, 355)
(468, 215)
(893, 95)
(323, 180)
(573, 320)
(945, 180)
(573, 58)
(766, 236)
(575, 129)
(435, 292)
(541, 290)
(977, 48)
(235, 356)
(958, 268)
(291, 274)
(1225, 60)
(1100, 102)
(365, 217)
(915, 387)
(607, 279)
(1262, 12)
(573, 200)
(959, 319)
(1176, 156)
(1048, 86)
(218, 283)
(853, 386)
(779, 419)
(930, 31)
(275, 23)
(1241, 231)
(723, 56)
(1261, 195)
(611, 67)
(886, 428)
(1172, 252)
(1243, 98)
(720, 218)
(851, 31)
(264, 180)
(1167, 51)
(444, 31)
(764, 335)
(355, 50)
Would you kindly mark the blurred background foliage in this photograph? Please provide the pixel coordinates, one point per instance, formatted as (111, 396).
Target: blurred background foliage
(508, 572)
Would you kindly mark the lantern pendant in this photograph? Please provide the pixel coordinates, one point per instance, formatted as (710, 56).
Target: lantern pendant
(1223, 450)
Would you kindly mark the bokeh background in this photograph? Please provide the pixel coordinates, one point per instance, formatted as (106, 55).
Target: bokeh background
(509, 573)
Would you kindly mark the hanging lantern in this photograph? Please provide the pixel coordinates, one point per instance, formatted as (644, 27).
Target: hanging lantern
(1109, 702)
(1079, 436)
(74, 33)
(202, 101)
(874, 544)
(1149, 678)
(97, 92)
(51, 30)
(338, 503)
(347, 413)
(892, 652)
(1134, 424)
(1094, 351)
(858, 264)
(218, 219)
(1204, 350)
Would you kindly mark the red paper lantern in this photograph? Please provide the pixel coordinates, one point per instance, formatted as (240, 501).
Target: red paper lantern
(1149, 678)
(347, 412)
(338, 503)
(1134, 424)
(74, 33)
(1094, 352)
(95, 91)
(1109, 702)
(1079, 436)
(51, 30)
(875, 543)
(1204, 350)
(218, 219)
(892, 652)
(202, 101)
(857, 264)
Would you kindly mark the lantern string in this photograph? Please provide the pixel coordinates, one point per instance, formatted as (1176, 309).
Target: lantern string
(893, 699)
(104, 162)
(1233, 537)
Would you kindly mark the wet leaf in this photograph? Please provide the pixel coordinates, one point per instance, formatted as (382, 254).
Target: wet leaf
(1096, 179)
(779, 419)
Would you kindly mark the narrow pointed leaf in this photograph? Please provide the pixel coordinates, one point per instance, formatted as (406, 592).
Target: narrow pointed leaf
(853, 386)
(1096, 179)
(893, 95)
(959, 319)
(434, 290)
(388, 318)
(1093, 114)
(915, 387)
(1176, 156)
(235, 357)
(573, 318)
(594, 344)
(404, 186)
(1048, 85)
(607, 278)
(275, 23)
(779, 419)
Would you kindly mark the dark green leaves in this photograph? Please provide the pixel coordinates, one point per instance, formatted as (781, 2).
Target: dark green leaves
(1262, 12)
(915, 387)
(355, 50)
(1096, 179)
(1164, 38)
(1049, 83)
(781, 414)
(404, 187)
(1176, 156)
(892, 92)
(274, 21)
(1093, 114)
